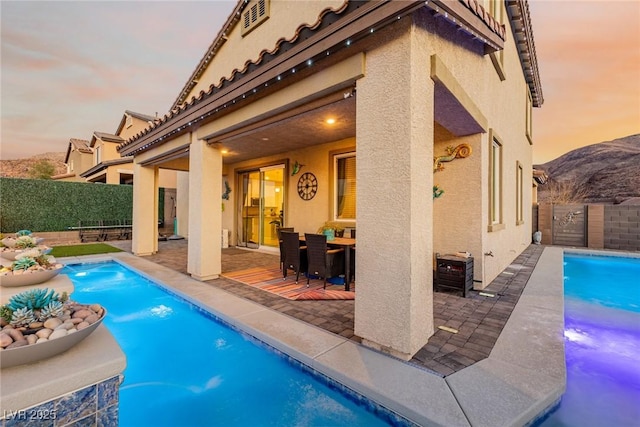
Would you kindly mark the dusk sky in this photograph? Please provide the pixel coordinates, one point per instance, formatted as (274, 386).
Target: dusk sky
(70, 68)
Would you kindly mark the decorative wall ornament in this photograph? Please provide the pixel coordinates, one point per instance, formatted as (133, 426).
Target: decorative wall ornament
(460, 152)
(227, 190)
(296, 168)
(569, 218)
(307, 186)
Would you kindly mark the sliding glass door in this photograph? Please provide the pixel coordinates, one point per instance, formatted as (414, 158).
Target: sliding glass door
(261, 208)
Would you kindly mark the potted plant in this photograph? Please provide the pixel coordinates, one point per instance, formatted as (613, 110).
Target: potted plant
(331, 229)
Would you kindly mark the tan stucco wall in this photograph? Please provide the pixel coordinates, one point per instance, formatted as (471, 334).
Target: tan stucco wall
(396, 142)
(503, 104)
(137, 125)
(284, 18)
(306, 216)
(395, 150)
(81, 162)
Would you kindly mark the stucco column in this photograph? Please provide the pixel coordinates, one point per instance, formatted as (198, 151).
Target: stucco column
(205, 213)
(145, 210)
(182, 203)
(394, 301)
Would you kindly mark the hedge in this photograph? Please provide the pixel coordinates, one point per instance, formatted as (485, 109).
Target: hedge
(45, 205)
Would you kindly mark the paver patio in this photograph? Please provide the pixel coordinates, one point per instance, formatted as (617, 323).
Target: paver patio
(478, 319)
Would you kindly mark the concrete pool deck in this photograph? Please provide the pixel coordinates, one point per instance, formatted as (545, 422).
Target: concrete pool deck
(523, 376)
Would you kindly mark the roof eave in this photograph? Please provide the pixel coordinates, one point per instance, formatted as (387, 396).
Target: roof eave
(520, 18)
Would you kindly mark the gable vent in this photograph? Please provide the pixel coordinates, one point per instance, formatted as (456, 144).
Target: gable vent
(256, 12)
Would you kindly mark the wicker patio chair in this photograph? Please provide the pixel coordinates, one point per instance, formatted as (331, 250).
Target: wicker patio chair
(322, 261)
(295, 256)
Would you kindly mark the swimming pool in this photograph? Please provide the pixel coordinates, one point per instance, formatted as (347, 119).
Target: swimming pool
(602, 342)
(184, 368)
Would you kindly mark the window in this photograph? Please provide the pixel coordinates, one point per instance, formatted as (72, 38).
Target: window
(529, 117)
(495, 183)
(256, 12)
(519, 194)
(345, 186)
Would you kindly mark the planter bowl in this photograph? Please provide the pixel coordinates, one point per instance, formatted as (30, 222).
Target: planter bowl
(44, 350)
(26, 279)
(10, 254)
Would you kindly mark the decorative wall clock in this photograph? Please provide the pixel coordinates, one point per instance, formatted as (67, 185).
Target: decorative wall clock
(307, 186)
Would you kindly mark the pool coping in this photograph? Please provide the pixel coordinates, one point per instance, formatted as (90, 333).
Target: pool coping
(522, 379)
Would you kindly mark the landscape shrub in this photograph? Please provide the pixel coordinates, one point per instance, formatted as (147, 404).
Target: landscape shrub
(45, 205)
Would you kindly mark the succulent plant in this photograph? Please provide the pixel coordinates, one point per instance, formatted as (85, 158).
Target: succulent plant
(6, 313)
(22, 317)
(24, 242)
(34, 299)
(24, 263)
(53, 309)
(23, 233)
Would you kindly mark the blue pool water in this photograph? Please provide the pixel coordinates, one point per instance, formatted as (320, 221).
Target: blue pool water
(602, 343)
(186, 369)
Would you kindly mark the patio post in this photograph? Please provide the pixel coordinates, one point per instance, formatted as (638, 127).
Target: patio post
(394, 297)
(144, 240)
(204, 260)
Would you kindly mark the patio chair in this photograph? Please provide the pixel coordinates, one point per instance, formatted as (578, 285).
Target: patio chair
(322, 261)
(280, 230)
(295, 256)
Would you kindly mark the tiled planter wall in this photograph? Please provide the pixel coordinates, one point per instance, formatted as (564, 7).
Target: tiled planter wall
(94, 405)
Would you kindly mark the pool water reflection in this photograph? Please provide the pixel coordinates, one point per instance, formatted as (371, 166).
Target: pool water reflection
(602, 343)
(186, 369)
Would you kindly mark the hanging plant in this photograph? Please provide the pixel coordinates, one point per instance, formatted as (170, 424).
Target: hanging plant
(437, 192)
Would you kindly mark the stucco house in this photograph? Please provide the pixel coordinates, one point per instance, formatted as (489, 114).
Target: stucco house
(312, 111)
(108, 166)
(79, 157)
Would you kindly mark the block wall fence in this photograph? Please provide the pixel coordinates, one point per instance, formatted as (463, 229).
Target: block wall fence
(607, 226)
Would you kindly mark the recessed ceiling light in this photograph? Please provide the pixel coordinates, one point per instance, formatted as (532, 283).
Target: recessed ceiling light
(265, 139)
(224, 151)
(331, 121)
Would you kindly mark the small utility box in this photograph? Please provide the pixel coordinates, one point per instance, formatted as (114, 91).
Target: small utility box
(454, 273)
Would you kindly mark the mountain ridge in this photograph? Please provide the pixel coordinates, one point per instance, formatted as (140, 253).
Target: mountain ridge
(608, 171)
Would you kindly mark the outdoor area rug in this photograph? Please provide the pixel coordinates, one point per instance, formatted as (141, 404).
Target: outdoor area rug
(270, 279)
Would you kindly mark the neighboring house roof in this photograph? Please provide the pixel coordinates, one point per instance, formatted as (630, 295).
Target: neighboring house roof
(107, 137)
(475, 22)
(540, 176)
(80, 145)
(104, 165)
(139, 116)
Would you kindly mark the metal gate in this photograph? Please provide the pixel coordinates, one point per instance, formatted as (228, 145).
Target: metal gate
(570, 225)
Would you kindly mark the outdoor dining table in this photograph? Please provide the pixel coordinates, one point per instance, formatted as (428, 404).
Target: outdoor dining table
(348, 244)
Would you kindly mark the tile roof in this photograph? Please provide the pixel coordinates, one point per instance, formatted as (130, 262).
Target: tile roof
(139, 116)
(107, 137)
(540, 176)
(145, 117)
(81, 145)
(447, 9)
(220, 39)
(518, 11)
